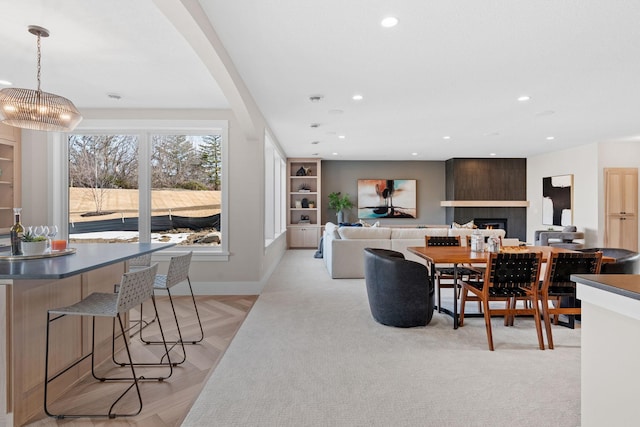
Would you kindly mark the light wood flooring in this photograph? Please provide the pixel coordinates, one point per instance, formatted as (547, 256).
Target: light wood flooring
(164, 403)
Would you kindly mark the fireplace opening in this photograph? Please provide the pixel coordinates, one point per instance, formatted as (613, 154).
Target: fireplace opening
(491, 223)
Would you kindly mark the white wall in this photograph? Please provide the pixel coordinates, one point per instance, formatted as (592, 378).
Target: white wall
(587, 164)
(582, 162)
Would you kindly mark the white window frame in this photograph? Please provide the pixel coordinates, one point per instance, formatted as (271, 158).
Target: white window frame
(275, 168)
(144, 129)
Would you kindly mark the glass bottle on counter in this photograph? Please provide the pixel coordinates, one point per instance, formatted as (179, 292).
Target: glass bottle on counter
(16, 231)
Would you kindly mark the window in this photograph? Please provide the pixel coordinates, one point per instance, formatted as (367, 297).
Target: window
(275, 169)
(148, 186)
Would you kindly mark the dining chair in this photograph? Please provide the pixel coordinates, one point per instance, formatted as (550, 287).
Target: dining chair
(507, 276)
(557, 285)
(135, 288)
(448, 273)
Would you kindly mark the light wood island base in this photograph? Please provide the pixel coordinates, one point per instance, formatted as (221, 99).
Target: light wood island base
(24, 301)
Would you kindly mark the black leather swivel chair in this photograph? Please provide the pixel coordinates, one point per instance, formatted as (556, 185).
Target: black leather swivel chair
(626, 261)
(400, 291)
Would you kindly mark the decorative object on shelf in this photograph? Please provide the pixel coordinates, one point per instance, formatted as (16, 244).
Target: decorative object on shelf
(339, 203)
(387, 198)
(305, 203)
(304, 219)
(312, 204)
(557, 200)
(304, 188)
(307, 171)
(35, 109)
(33, 245)
(301, 171)
(298, 204)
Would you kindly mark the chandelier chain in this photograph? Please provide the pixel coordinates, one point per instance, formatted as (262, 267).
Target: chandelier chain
(39, 67)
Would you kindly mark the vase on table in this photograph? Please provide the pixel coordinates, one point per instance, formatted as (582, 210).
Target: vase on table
(34, 248)
(342, 217)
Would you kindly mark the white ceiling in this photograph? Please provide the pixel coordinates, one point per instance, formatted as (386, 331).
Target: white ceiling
(449, 68)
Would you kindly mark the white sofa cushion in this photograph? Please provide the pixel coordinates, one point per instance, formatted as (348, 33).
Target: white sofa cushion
(364, 233)
(417, 233)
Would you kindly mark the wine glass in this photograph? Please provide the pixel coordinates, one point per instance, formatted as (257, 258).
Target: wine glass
(38, 231)
(52, 231)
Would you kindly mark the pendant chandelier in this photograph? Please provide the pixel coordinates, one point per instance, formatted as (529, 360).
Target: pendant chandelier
(35, 109)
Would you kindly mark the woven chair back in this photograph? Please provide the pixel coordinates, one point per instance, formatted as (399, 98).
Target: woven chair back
(140, 261)
(135, 288)
(513, 270)
(563, 264)
(442, 240)
(178, 269)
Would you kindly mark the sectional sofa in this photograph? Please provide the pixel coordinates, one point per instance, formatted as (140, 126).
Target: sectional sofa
(343, 247)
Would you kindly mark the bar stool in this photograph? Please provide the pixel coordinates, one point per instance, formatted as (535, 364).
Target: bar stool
(177, 272)
(135, 288)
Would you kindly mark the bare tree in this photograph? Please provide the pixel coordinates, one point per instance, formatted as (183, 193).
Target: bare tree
(100, 162)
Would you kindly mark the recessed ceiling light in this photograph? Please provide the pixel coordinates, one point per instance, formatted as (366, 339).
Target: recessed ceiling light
(341, 136)
(6, 83)
(357, 97)
(335, 154)
(414, 154)
(389, 21)
(524, 98)
(492, 154)
(549, 138)
(446, 137)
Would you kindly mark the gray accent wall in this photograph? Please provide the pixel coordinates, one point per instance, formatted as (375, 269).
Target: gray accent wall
(340, 175)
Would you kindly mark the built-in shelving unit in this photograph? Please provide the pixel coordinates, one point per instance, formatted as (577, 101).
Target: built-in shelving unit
(10, 167)
(303, 203)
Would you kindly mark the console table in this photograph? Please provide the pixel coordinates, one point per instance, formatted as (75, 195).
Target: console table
(28, 288)
(610, 382)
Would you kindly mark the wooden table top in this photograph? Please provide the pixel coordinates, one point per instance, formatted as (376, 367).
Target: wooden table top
(464, 255)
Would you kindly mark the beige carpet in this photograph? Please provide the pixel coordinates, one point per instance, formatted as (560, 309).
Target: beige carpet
(310, 354)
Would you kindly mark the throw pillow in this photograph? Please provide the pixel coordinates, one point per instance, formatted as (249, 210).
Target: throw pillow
(469, 224)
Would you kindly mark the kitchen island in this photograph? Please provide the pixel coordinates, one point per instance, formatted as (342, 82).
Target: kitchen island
(28, 288)
(610, 382)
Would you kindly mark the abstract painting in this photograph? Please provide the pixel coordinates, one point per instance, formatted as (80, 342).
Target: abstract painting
(386, 198)
(557, 200)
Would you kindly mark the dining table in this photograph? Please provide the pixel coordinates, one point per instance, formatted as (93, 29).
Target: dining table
(458, 255)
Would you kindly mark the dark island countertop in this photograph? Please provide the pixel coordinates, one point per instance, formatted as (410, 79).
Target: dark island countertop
(88, 256)
(627, 285)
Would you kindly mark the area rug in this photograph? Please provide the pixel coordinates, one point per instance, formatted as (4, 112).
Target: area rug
(310, 354)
